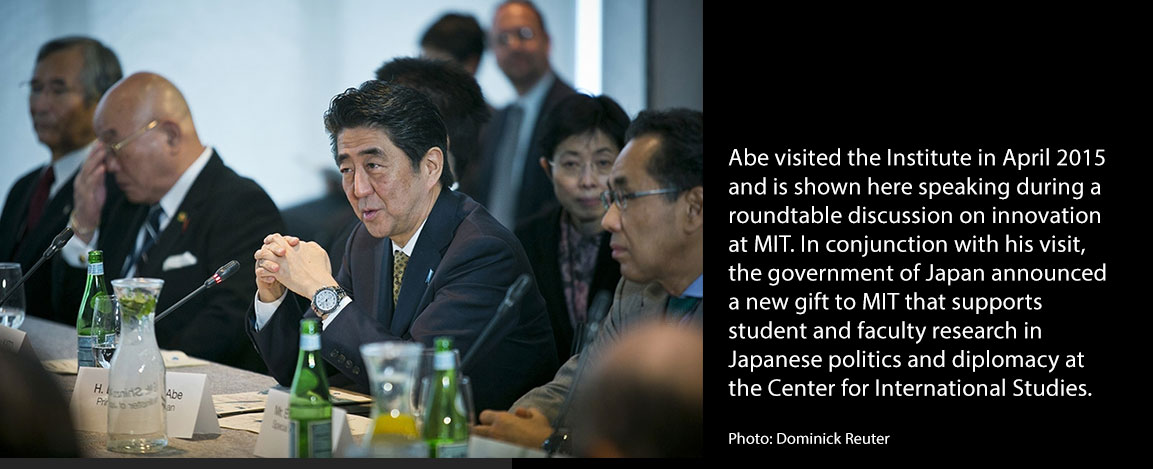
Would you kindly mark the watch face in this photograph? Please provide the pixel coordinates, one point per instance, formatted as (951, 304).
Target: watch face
(326, 300)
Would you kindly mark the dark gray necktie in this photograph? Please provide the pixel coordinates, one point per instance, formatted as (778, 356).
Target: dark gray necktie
(506, 184)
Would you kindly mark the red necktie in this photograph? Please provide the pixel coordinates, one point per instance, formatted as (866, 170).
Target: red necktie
(40, 198)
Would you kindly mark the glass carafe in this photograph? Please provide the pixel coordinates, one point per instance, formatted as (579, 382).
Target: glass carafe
(392, 373)
(136, 386)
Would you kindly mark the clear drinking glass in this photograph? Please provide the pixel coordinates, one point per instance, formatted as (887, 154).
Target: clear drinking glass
(136, 385)
(105, 329)
(392, 373)
(12, 311)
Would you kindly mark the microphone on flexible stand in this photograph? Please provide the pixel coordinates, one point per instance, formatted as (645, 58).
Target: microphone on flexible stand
(560, 437)
(511, 298)
(586, 331)
(221, 274)
(57, 243)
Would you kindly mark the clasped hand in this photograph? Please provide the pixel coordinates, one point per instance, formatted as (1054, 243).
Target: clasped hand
(286, 262)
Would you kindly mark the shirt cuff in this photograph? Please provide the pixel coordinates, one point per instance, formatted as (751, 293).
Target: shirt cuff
(264, 311)
(75, 252)
(328, 320)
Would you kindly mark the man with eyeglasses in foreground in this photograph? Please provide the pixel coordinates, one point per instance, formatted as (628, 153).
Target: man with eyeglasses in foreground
(71, 75)
(180, 214)
(655, 212)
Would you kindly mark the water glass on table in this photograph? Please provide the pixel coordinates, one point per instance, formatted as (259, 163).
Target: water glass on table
(105, 329)
(12, 311)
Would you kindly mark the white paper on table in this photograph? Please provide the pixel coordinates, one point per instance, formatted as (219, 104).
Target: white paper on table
(481, 447)
(172, 359)
(341, 397)
(239, 403)
(247, 422)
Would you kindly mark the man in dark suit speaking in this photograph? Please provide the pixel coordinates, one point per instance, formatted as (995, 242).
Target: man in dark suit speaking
(425, 262)
(179, 214)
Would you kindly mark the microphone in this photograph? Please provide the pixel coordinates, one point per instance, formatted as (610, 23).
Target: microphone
(515, 292)
(57, 243)
(600, 306)
(222, 273)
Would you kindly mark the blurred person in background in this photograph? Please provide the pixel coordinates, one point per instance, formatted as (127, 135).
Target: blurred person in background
(36, 421)
(457, 38)
(650, 397)
(70, 77)
(503, 178)
(569, 248)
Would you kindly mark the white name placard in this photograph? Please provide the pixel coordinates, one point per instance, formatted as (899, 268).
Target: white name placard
(16, 341)
(189, 408)
(273, 439)
(11, 339)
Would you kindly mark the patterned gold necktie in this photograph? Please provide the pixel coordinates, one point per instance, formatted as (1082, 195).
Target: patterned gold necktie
(399, 262)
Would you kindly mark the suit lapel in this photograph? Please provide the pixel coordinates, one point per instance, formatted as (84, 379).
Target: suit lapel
(382, 293)
(55, 217)
(199, 194)
(426, 255)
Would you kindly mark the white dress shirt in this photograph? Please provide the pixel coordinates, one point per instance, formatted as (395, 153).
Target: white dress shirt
(76, 251)
(264, 311)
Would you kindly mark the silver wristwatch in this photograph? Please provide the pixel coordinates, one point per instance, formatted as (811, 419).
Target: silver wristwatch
(326, 300)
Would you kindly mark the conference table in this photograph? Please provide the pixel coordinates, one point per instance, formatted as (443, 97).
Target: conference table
(52, 341)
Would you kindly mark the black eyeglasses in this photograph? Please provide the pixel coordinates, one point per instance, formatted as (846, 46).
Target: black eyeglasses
(524, 33)
(622, 200)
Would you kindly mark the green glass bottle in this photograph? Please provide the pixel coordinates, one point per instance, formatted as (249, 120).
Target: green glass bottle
(445, 420)
(95, 287)
(309, 405)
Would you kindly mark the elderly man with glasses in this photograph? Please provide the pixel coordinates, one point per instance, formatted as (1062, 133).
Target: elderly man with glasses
(655, 212)
(176, 213)
(70, 76)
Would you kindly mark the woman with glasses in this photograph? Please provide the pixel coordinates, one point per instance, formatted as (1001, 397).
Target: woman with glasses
(569, 249)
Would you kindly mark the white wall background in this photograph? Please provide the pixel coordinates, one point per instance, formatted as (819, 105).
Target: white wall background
(258, 74)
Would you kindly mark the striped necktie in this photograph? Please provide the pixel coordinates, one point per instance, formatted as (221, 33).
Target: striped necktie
(151, 234)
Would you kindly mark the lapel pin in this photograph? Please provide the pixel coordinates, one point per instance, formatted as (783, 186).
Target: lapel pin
(182, 218)
(429, 277)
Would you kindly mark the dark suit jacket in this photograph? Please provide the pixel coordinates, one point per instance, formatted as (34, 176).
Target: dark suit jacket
(536, 192)
(540, 236)
(458, 273)
(39, 300)
(226, 217)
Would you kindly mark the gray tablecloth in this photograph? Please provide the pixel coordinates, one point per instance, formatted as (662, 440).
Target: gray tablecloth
(53, 340)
